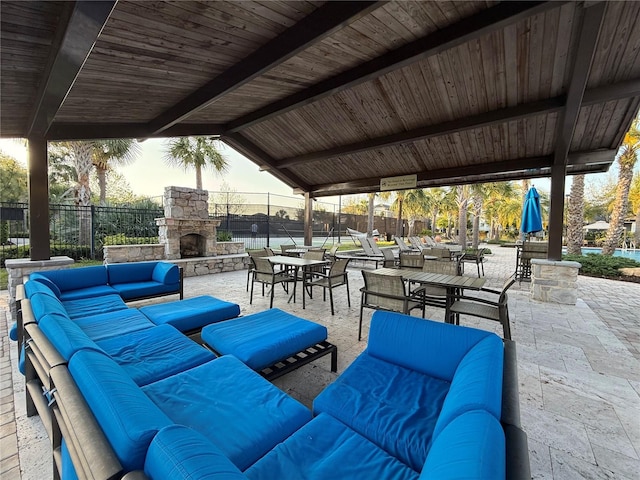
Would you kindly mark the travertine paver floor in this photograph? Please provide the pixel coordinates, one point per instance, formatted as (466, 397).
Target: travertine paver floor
(579, 371)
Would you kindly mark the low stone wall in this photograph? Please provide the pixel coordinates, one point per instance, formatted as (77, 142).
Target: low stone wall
(17, 268)
(554, 281)
(133, 253)
(229, 256)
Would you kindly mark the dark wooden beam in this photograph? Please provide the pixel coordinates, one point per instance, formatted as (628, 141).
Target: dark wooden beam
(616, 91)
(446, 128)
(514, 169)
(324, 21)
(585, 51)
(261, 158)
(85, 22)
(492, 19)
(90, 131)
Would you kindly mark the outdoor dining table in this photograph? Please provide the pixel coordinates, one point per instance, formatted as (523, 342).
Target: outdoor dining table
(297, 264)
(454, 284)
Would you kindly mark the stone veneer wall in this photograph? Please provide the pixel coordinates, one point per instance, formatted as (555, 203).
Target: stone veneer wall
(229, 256)
(17, 268)
(554, 281)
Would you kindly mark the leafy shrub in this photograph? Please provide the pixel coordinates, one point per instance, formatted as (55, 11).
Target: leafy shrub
(224, 236)
(596, 265)
(122, 239)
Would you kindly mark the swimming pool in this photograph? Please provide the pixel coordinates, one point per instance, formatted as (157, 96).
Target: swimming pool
(632, 254)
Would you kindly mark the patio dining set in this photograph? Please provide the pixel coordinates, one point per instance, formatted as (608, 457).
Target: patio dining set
(409, 278)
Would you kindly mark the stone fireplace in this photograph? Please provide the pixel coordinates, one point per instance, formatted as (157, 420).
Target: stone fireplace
(186, 230)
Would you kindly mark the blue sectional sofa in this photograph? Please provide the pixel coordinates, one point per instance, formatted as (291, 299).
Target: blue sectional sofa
(131, 281)
(424, 400)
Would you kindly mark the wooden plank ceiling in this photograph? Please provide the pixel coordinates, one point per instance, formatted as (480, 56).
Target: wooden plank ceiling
(330, 97)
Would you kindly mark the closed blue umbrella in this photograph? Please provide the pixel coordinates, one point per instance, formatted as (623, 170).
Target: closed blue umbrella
(531, 213)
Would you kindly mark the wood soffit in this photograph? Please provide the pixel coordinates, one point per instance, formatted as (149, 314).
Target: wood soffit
(454, 92)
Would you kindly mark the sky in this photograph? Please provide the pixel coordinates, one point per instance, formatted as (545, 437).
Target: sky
(149, 174)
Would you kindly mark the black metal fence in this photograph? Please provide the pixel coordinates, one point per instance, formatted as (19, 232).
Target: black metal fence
(258, 220)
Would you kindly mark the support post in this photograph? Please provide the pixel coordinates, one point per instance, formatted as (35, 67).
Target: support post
(38, 200)
(308, 219)
(556, 220)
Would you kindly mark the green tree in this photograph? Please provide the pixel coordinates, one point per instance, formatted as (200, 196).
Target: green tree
(13, 184)
(416, 206)
(634, 199)
(196, 152)
(575, 217)
(107, 154)
(627, 158)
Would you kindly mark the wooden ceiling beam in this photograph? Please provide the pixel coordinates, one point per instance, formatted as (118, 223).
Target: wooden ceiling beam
(91, 131)
(261, 158)
(77, 34)
(514, 169)
(485, 22)
(324, 21)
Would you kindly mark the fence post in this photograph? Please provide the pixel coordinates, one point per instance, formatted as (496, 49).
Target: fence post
(268, 220)
(228, 224)
(93, 232)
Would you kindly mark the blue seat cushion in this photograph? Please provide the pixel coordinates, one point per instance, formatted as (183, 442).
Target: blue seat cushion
(85, 307)
(154, 353)
(125, 414)
(148, 288)
(44, 303)
(178, 452)
(394, 407)
(326, 448)
(262, 339)
(244, 415)
(470, 446)
(113, 324)
(191, 313)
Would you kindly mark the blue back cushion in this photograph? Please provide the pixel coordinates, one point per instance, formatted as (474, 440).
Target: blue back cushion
(65, 335)
(77, 278)
(432, 348)
(166, 272)
(477, 383)
(39, 283)
(42, 304)
(130, 272)
(178, 452)
(471, 446)
(127, 417)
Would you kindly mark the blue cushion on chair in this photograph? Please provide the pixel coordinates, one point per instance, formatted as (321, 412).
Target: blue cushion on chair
(127, 417)
(261, 339)
(244, 415)
(77, 278)
(394, 407)
(120, 273)
(65, 335)
(155, 353)
(324, 449)
(191, 313)
(113, 324)
(178, 452)
(43, 303)
(85, 307)
(471, 446)
(40, 281)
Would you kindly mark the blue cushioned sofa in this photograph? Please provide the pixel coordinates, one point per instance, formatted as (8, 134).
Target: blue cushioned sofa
(132, 281)
(424, 400)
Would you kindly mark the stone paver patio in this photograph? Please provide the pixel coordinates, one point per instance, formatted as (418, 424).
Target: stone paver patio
(579, 371)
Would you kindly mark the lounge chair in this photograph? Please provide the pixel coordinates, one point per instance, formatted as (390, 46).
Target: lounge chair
(403, 246)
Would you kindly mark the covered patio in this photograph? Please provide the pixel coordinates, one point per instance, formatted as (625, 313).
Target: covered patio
(353, 97)
(332, 98)
(578, 368)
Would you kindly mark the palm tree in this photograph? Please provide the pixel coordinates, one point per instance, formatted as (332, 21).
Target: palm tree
(197, 152)
(120, 151)
(434, 197)
(575, 220)
(463, 195)
(397, 206)
(627, 157)
(415, 206)
(634, 198)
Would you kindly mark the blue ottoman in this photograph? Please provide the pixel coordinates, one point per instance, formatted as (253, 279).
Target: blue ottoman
(272, 342)
(191, 314)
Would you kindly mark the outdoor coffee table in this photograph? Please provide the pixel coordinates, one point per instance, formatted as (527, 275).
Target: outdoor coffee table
(272, 342)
